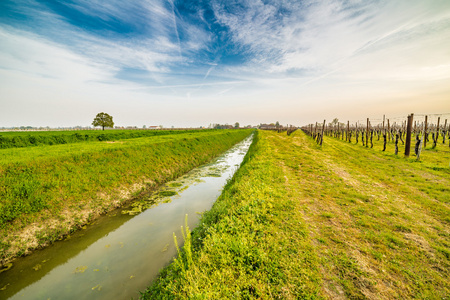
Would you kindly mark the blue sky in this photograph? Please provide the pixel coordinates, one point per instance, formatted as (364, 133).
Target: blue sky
(192, 63)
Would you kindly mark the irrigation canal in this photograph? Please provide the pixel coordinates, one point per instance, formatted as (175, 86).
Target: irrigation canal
(121, 253)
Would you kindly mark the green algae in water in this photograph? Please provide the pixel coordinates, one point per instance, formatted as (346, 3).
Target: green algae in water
(214, 175)
(140, 205)
(167, 193)
(80, 269)
(184, 188)
(6, 267)
(176, 184)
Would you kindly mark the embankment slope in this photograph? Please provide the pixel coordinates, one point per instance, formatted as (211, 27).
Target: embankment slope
(49, 191)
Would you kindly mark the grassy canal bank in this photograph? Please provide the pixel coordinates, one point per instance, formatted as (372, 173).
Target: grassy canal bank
(20, 139)
(48, 191)
(300, 221)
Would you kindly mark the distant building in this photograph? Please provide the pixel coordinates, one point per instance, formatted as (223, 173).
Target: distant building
(267, 126)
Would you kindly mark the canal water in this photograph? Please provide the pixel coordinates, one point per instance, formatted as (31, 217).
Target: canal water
(122, 252)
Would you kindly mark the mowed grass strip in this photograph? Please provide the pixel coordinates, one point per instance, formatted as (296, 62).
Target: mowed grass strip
(48, 191)
(299, 221)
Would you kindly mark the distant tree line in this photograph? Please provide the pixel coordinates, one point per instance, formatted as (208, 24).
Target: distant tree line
(224, 126)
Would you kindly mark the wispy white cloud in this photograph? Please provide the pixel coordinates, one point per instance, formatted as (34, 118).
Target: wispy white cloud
(35, 56)
(175, 27)
(323, 37)
(247, 52)
(153, 49)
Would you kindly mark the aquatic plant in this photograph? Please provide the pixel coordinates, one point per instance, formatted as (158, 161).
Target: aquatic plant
(184, 259)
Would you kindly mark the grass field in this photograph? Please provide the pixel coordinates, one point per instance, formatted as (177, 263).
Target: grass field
(300, 221)
(47, 191)
(19, 139)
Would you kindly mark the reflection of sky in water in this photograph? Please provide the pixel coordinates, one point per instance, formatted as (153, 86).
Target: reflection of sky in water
(125, 260)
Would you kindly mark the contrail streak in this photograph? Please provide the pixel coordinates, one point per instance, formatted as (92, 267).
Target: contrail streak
(175, 26)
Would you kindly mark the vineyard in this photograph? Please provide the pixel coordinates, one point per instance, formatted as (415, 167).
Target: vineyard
(410, 133)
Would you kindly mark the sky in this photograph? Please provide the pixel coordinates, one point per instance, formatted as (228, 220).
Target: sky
(193, 63)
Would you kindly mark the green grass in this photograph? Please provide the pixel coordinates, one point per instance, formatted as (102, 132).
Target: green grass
(69, 184)
(299, 221)
(27, 154)
(35, 138)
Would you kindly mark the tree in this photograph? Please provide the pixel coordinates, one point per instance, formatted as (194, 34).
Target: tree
(236, 125)
(335, 122)
(104, 120)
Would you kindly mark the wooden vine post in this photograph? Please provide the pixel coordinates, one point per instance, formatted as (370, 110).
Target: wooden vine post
(396, 143)
(367, 133)
(408, 135)
(444, 132)
(321, 136)
(389, 132)
(348, 127)
(315, 131)
(371, 135)
(425, 132)
(421, 142)
(437, 133)
(339, 133)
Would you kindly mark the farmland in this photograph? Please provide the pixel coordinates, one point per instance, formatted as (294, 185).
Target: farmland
(14, 139)
(335, 221)
(48, 191)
